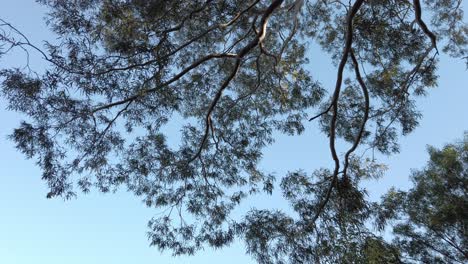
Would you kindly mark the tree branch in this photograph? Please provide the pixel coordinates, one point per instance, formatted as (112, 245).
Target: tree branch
(258, 40)
(170, 81)
(422, 25)
(366, 112)
(344, 58)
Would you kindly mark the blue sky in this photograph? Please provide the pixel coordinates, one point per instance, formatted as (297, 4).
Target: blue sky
(98, 228)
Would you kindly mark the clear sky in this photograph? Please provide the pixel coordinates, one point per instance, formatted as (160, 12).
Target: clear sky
(97, 228)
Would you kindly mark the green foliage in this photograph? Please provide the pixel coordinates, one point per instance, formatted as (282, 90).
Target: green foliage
(431, 218)
(231, 75)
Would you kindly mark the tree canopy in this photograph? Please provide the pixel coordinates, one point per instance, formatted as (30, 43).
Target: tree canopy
(230, 74)
(431, 219)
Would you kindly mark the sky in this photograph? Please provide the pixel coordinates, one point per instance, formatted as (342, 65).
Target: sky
(111, 228)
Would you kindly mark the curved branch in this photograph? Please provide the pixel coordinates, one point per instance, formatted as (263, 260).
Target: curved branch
(215, 101)
(170, 81)
(339, 79)
(257, 41)
(241, 54)
(422, 25)
(365, 91)
(334, 105)
(28, 43)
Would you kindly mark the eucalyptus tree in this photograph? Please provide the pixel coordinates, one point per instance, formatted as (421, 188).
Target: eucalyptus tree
(430, 221)
(233, 74)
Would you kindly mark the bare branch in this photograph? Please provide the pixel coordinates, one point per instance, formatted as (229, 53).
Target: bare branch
(366, 112)
(344, 58)
(422, 25)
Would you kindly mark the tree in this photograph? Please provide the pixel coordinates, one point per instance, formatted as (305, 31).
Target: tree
(430, 221)
(231, 74)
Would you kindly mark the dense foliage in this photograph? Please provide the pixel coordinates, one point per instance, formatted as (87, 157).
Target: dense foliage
(430, 221)
(229, 74)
